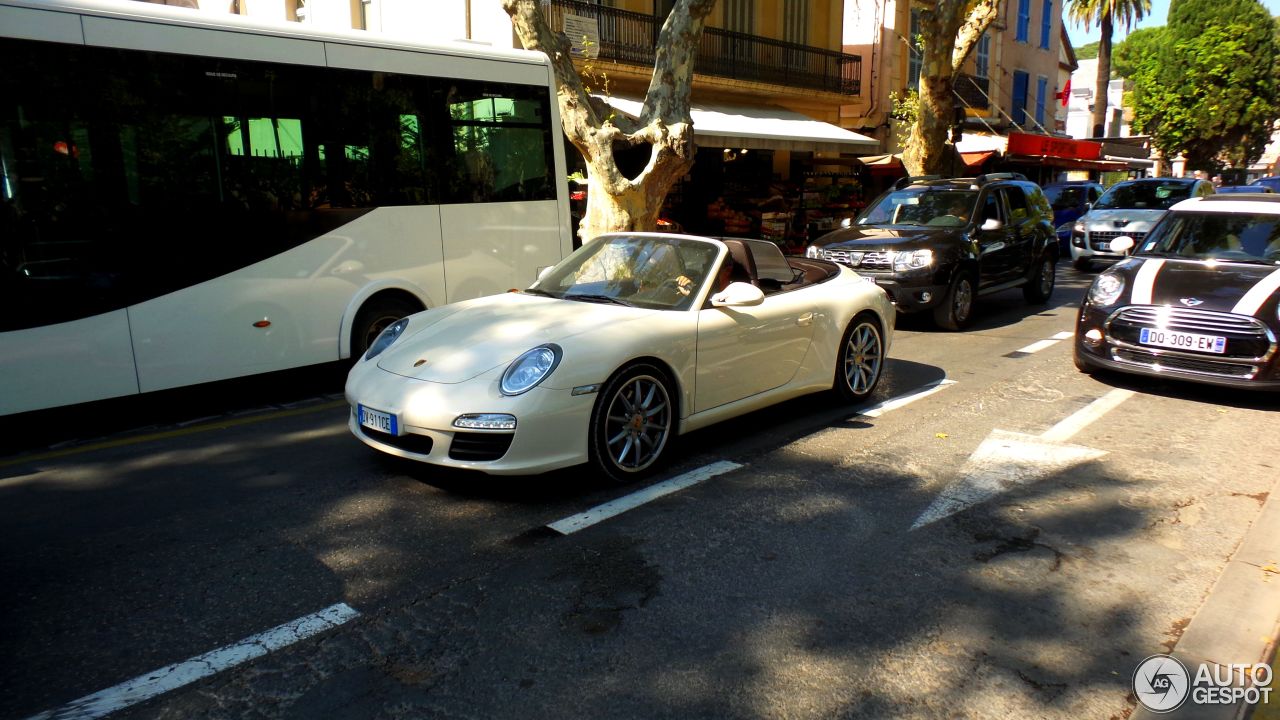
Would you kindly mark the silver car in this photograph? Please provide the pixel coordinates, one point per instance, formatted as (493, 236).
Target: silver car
(1129, 209)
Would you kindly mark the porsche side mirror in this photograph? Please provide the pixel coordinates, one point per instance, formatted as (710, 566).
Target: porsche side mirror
(738, 294)
(991, 224)
(1122, 244)
(545, 271)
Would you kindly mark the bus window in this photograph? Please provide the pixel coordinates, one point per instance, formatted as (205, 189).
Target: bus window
(502, 149)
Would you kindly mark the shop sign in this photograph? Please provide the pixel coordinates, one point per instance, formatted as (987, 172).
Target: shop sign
(583, 34)
(1025, 144)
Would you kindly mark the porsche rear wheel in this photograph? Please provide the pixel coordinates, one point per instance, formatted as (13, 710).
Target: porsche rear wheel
(632, 423)
(860, 361)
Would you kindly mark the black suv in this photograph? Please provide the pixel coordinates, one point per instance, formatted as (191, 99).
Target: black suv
(937, 244)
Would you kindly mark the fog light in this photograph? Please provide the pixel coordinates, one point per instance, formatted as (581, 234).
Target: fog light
(1093, 338)
(486, 421)
(926, 296)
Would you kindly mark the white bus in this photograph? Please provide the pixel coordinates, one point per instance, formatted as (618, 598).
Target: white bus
(191, 197)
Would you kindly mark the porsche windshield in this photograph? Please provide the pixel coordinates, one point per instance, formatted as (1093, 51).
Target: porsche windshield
(943, 207)
(658, 273)
(1143, 195)
(1230, 237)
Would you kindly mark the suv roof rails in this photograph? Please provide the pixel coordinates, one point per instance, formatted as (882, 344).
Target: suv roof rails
(990, 177)
(903, 182)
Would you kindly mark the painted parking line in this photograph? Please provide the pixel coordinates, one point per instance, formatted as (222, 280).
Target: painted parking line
(880, 408)
(172, 677)
(613, 508)
(1039, 345)
(1082, 418)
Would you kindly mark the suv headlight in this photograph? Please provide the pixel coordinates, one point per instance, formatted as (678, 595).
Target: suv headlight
(389, 335)
(531, 368)
(912, 260)
(1078, 227)
(813, 252)
(1106, 288)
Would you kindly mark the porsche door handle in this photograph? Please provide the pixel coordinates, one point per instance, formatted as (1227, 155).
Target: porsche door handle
(805, 320)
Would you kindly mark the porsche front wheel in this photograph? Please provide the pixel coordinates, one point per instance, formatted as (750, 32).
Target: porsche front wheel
(860, 361)
(632, 423)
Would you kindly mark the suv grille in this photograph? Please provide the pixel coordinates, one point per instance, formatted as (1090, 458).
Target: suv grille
(1102, 240)
(1247, 338)
(874, 260)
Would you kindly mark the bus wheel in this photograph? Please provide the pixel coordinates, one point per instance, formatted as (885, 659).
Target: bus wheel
(374, 317)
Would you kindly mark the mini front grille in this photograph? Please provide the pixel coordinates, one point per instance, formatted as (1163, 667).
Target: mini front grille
(480, 447)
(419, 444)
(1247, 338)
(1169, 362)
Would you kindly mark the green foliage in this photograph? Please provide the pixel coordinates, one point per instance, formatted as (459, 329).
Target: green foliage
(1208, 89)
(904, 109)
(1117, 12)
(1088, 52)
(1140, 44)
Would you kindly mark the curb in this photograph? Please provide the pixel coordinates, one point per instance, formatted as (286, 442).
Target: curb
(1239, 621)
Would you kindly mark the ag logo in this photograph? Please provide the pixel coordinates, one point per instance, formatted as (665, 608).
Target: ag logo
(1161, 683)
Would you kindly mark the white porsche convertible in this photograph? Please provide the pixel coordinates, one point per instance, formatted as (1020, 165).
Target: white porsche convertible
(631, 340)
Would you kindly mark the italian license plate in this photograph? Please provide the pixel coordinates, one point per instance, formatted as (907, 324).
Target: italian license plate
(869, 279)
(377, 420)
(1183, 341)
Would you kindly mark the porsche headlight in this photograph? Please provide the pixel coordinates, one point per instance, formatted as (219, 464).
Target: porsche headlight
(912, 260)
(530, 369)
(813, 252)
(388, 336)
(1106, 288)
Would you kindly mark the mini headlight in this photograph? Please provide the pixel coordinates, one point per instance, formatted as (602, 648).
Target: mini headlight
(389, 335)
(1106, 288)
(912, 259)
(813, 252)
(530, 369)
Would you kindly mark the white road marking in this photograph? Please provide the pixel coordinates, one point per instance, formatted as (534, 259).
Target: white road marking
(1006, 459)
(1066, 335)
(599, 513)
(1080, 419)
(175, 676)
(1038, 346)
(881, 408)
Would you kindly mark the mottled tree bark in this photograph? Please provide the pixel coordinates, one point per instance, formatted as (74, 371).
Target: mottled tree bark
(951, 30)
(614, 201)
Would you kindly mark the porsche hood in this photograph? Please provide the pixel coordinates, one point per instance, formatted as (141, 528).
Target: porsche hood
(488, 332)
(1240, 288)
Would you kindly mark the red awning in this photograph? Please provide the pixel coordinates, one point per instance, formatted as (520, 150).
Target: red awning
(974, 159)
(1068, 163)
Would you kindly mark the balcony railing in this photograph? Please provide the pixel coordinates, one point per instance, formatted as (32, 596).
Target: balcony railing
(630, 37)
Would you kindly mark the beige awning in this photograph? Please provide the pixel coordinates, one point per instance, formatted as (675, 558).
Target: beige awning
(764, 127)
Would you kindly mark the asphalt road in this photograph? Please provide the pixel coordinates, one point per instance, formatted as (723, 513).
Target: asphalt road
(852, 566)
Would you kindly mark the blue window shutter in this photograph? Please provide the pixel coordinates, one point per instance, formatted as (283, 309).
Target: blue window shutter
(1024, 20)
(1042, 87)
(1020, 82)
(1046, 23)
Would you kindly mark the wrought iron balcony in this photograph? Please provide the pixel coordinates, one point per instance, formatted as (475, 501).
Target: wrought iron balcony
(630, 37)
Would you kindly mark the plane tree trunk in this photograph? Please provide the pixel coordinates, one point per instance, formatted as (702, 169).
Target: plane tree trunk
(616, 202)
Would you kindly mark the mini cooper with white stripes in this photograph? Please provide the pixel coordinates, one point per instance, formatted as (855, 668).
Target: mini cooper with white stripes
(1199, 299)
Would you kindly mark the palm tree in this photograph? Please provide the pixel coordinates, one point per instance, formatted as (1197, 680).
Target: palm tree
(1106, 13)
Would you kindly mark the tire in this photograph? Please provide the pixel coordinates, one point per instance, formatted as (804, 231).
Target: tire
(1082, 264)
(956, 311)
(633, 423)
(374, 317)
(1039, 288)
(860, 360)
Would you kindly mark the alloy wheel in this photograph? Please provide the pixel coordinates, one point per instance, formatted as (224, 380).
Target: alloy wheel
(863, 356)
(637, 423)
